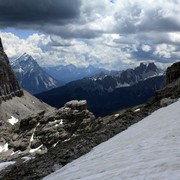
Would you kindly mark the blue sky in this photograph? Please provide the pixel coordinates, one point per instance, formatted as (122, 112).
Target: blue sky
(114, 35)
(22, 33)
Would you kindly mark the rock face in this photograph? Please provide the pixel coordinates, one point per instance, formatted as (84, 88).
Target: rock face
(9, 86)
(42, 131)
(173, 73)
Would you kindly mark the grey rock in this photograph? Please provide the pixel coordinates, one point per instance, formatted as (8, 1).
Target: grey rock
(77, 105)
(167, 101)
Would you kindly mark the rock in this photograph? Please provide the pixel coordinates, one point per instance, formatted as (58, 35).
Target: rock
(49, 128)
(167, 101)
(56, 167)
(35, 143)
(77, 105)
(9, 86)
(173, 73)
(15, 136)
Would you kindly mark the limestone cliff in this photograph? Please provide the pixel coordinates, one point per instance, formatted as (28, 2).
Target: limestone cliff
(9, 86)
(173, 73)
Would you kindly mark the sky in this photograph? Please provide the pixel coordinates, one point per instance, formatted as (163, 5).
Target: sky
(113, 34)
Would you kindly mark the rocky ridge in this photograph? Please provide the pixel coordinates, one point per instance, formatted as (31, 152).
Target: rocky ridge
(42, 131)
(9, 86)
(173, 73)
(77, 132)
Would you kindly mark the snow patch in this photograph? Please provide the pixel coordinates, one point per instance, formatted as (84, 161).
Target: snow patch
(16, 152)
(54, 145)
(116, 115)
(136, 110)
(67, 139)
(4, 148)
(119, 85)
(27, 158)
(12, 120)
(32, 137)
(147, 150)
(4, 165)
(36, 149)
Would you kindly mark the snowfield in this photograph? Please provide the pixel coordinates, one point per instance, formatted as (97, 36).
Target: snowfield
(4, 165)
(13, 120)
(149, 150)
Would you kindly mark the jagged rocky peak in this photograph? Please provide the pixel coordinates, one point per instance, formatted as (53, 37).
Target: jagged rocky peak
(3, 56)
(1, 46)
(173, 72)
(152, 67)
(142, 66)
(146, 68)
(9, 86)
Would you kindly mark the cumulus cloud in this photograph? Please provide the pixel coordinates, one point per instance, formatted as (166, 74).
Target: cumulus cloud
(108, 33)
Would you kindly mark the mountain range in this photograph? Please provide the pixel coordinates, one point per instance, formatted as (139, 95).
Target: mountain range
(68, 73)
(37, 79)
(108, 93)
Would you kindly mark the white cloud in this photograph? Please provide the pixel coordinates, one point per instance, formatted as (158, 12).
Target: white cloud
(146, 48)
(111, 35)
(164, 50)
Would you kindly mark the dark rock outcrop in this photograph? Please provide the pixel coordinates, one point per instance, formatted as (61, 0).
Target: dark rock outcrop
(9, 86)
(43, 131)
(173, 73)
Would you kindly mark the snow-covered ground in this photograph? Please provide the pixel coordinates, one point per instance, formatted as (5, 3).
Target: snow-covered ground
(13, 120)
(149, 150)
(4, 148)
(4, 165)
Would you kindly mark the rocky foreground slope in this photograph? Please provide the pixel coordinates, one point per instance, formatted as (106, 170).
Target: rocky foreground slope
(146, 150)
(61, 136)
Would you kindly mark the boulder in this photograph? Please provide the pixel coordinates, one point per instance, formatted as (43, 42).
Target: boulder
(77, 105)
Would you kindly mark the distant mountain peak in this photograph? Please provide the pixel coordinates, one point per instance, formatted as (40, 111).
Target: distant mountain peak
(68, 73)
(31, 76)
(152, 66)
(25, 57)
(143, 65)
